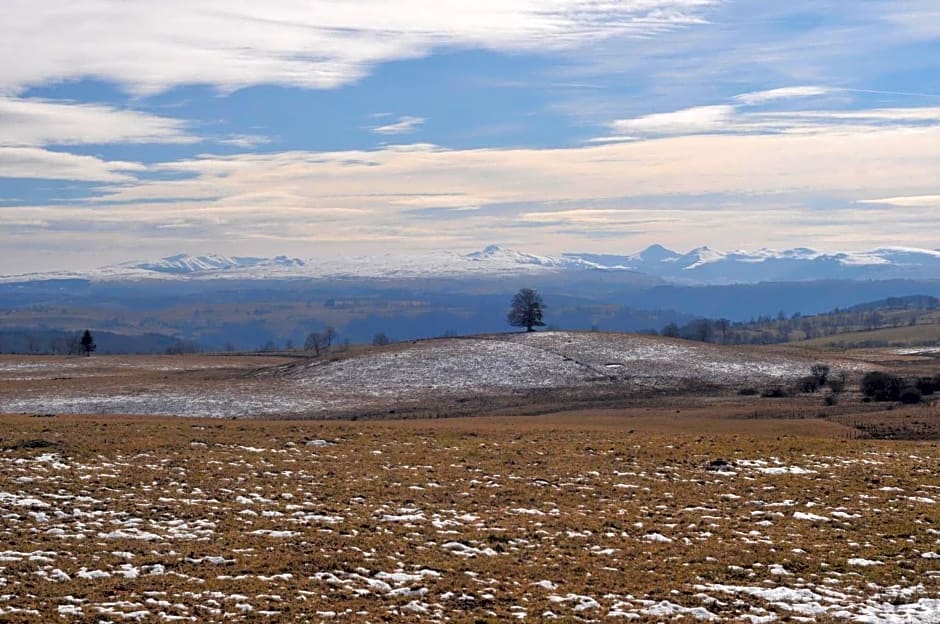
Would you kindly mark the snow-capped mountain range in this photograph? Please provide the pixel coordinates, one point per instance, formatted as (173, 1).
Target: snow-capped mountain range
(698, 266)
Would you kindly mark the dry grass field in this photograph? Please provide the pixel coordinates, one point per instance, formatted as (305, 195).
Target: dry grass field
(428, 378)
(593, 478)
(913, 336)
(583, 516)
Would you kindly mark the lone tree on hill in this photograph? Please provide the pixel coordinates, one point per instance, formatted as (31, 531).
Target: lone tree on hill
(88, 343)
(527, 307)
(314, 342)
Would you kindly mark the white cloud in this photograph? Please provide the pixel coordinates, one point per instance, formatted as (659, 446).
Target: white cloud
(404, 125)
(785, 93)
(245, 141)
(907, 202)
(726, 118)
(37, 122)
(698, 120)
(150, 46)
(36, 163)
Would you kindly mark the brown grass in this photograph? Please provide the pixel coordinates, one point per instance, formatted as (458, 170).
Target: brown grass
(603, 479)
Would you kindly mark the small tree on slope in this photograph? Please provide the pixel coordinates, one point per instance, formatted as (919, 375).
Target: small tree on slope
(88, 343)
(527, 307)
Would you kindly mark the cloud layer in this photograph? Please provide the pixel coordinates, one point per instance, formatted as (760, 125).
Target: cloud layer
(684, 189)
(150, 46)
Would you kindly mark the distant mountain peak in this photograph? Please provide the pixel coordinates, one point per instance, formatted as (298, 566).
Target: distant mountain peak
(187, 264)
(510, 256)
(657, 253)
(488, 251)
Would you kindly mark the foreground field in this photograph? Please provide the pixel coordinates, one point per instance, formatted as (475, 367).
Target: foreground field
(588, 516)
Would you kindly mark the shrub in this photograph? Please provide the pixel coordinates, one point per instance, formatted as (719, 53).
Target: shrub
(808, 385)
(775, 392)
(911, 396)
(831, 399)
(927, 385)
(748, 392)
(820, 372)
(838, 382)
(882, 386)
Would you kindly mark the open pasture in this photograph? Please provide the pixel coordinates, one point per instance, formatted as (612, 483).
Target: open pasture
(433, 377)
(585, 516)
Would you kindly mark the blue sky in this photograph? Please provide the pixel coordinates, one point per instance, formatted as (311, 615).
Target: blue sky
(327, 127)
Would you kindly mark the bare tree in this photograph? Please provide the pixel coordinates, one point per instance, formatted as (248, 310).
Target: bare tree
(321, 340)
(723, 325)
(527, 309)
(314, 342)
(328, 335)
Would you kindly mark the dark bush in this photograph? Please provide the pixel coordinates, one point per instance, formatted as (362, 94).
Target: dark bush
(748, 392)
(808, 385)
(911, 396)
(821, 373)
(838, 382)
(831, 399)
(775, 392)
(927, 385)
(882, 386)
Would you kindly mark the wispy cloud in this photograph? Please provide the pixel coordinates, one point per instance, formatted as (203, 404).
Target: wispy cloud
(739, 118)
(906, 202)
(785, 93)
(37, 163)
(150, 47)
(37, 122)
(245, 141)
(697, 120)
(404, 125)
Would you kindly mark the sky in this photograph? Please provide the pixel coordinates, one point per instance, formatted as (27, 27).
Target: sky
(144, 128)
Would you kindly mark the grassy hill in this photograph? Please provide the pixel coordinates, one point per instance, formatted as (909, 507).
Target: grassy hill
(897, 321)
(909, 336)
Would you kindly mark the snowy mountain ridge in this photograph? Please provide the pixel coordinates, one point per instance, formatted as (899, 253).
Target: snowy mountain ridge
(702, 265)
(185, 264)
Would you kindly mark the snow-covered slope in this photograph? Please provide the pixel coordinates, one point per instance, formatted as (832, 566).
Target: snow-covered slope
(184, 264)
(434, 370)
(701, 265)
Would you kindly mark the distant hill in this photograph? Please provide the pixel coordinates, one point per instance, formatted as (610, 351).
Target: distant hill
(893, 321)
(926, 336)
(913, 302)
(46, 341)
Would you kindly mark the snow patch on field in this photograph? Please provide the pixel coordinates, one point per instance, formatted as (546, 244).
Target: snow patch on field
(417, 372)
